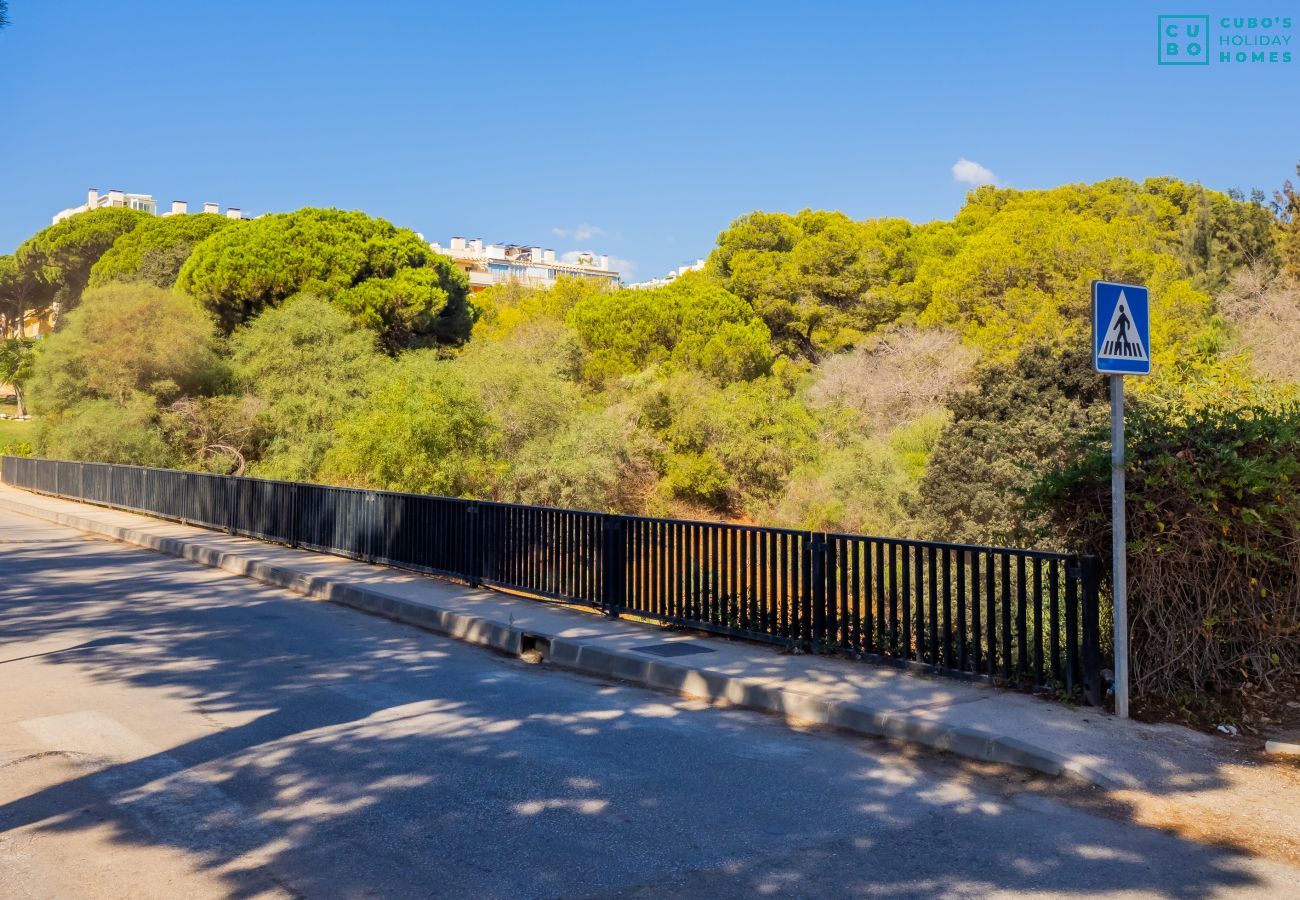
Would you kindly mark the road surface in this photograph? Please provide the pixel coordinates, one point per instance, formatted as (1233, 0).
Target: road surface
(168, 730)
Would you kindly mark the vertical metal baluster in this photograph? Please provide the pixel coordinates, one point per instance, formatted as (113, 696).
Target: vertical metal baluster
(1022, 620)
(934, 606)
(990, 603)
(1006, 616)
(856, 563)
(947, 609)
(893, 598)
(1072, 627)
(1038, 621)
(970, 639)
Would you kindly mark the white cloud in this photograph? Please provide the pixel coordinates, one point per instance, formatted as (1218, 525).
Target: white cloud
(622, 266)
(583, 232)
(972, 173)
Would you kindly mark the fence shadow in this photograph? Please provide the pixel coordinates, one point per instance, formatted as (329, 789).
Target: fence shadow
(351, 756)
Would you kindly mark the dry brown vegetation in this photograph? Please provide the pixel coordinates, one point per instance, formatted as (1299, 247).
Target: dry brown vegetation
(908, 373)
(1266, 312)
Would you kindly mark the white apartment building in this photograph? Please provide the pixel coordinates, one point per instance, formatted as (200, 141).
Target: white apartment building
(142, 202)
(489, 264)
(670, 277)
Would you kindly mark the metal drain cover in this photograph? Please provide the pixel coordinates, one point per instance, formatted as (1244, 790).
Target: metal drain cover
(677, 648)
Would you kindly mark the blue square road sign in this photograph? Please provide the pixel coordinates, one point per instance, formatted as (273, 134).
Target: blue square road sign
(1121, 329)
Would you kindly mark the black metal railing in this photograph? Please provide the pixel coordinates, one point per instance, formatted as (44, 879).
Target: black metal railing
(1025, 617)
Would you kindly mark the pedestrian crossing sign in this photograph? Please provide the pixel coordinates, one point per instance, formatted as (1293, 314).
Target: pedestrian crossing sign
(1121, 329)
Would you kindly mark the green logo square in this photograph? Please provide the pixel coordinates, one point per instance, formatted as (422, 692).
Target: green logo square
(1183, 40)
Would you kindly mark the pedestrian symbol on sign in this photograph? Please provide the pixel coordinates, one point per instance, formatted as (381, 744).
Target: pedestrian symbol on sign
(1121, 340)
(1121, 329)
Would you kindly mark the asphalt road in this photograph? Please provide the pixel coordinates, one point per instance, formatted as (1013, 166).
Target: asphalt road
(167, 730)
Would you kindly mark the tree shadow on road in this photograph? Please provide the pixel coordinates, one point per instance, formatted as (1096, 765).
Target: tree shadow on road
(350, 756)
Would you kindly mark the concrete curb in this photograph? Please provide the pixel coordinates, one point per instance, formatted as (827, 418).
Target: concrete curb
(1283, 747)
(588, 658)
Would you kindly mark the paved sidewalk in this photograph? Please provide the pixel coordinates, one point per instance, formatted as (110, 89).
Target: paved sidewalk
(1159, 762)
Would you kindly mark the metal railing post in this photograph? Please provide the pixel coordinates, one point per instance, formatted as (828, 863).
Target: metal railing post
(613, 566)
(817, 596)
(472, 573)
(369, 519)
(1090, 567)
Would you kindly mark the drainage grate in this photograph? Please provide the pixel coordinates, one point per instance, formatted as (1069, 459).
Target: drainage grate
(678, 648)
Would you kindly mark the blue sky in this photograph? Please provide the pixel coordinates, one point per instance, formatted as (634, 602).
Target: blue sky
(647, 126)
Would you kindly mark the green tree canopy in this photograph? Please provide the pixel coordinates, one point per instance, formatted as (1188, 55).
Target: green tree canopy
(156, 249)
(818, 279)
(415, 307)
(508, 307)
(238, 272)
(692, 322)
(1014, 267)
(16, 360)
(1286, 206)
(56, 261)
(17, 294)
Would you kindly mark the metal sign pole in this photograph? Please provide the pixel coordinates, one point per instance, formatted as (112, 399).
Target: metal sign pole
(1117, 542)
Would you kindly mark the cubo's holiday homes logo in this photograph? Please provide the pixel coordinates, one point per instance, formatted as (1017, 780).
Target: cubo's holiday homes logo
(1183, 40)
(1236, 40)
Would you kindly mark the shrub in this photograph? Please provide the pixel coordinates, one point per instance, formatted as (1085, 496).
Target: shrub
(1214, 538)
(1016, 420)
(124, 340)
(309, 365)
(423, 430)
(109, 431)
(578, 466)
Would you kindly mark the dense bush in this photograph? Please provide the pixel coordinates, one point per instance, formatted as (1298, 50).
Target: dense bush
(1016, 420)
(1214, 537)
(422, 429)
(693, 323)
(309, 366)
(100, 384)
(124, 341)
(111, 431)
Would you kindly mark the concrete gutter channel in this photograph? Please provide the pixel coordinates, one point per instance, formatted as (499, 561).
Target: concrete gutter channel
(583, 656)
